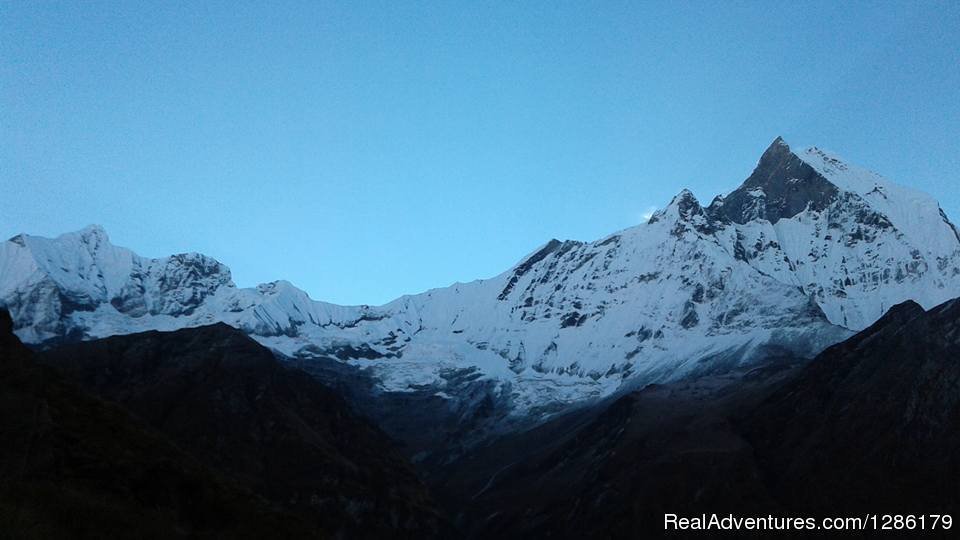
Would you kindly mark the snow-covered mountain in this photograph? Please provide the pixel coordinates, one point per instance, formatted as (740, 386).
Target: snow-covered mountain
(806, 251)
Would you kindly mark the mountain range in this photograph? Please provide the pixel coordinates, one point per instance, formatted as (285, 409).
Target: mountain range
(808, 250)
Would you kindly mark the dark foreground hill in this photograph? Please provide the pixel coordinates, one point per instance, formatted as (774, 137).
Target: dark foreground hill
(75, 466)
(872, 425)
(227, 401)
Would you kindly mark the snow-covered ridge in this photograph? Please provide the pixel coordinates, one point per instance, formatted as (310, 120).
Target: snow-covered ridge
(808, 249)
(914, 213)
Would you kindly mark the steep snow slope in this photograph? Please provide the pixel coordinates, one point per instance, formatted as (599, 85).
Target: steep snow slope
(806, 250)
(855, 241)
(46, 282)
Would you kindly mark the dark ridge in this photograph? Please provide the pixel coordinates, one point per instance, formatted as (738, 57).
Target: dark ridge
(895, 317)
(901, 313)
(613, 239)
(950, 224)
(526, 265)
(873, 423)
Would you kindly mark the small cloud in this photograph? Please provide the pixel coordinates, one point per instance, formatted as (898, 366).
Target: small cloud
(648, 213)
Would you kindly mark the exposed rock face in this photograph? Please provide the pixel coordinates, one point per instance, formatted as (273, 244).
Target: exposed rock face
(806, 251)
(782, 186)
(228, 401)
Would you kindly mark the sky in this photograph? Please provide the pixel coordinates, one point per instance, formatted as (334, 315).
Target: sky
(365, 150)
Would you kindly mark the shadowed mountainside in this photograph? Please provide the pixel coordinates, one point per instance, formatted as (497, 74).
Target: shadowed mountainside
(229, 402)
(75, 466)
(874, 423)
(871, 425)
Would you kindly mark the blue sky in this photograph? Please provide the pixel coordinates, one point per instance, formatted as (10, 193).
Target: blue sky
(364, 150)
